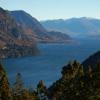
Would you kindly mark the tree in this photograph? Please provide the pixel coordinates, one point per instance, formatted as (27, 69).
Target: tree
(70, 85)
(41, 90)
(18, 87)
(5, 91)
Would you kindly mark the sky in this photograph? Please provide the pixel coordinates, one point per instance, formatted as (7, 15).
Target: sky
(55, 9)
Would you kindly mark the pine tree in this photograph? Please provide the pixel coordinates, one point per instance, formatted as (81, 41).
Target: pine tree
(41, 90)
(5, 91)
(96, 81)
(18, 87)
(70, 85)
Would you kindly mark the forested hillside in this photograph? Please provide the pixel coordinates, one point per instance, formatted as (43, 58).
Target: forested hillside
(75, 84)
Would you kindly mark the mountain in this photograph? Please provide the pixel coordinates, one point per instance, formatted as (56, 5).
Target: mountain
(33, 28)
(60, 37)
(81, 27)
(13, 41)
(92, 60)
(30, 25)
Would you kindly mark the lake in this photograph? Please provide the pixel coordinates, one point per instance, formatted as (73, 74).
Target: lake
(48, 64)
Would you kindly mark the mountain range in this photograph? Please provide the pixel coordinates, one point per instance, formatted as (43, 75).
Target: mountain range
(75, 27)
(34, 29)
(20, 32)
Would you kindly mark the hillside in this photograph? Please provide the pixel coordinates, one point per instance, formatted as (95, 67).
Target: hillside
(60, 37)
(76, 27)
(33, 28)
(75, 84)
(92, 60)
(13, 41)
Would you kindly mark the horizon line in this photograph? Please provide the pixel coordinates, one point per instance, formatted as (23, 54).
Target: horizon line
(50, 19)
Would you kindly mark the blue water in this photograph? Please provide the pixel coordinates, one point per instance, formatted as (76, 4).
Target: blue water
(48, 64)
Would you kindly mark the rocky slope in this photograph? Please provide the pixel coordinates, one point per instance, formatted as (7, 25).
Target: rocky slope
(13, 41)
(36, 30)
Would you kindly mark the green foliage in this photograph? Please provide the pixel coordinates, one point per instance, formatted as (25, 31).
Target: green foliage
(18, 85)
(19, 91)
(18, 88)
(41, 90)
(76, 83)
(5, 91)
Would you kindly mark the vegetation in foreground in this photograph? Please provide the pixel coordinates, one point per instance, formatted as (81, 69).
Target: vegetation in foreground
(76, 83)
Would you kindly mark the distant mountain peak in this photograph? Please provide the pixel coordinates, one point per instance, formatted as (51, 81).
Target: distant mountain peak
(75, 27)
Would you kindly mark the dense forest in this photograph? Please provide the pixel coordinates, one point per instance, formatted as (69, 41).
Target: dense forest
(76, 83)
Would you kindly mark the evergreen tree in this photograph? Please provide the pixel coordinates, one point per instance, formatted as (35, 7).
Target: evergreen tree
(41, 90)
(18, 87)
(96, 82)
(70, 85)
(5, 91)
